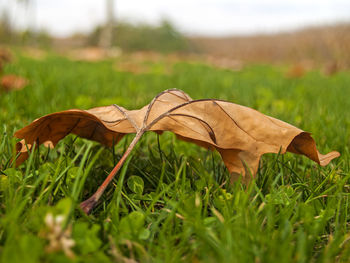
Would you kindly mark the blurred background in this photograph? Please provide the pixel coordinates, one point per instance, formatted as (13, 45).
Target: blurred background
(227, 33)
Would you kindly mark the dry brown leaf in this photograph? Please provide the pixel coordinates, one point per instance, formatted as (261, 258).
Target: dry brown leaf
(5, 57)
(296, 71)
(331, 68)
(299, 69)
(13, 82)
(240, 134)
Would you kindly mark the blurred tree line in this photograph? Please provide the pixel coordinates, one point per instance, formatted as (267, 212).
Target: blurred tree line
(129, 37)
(11, 36)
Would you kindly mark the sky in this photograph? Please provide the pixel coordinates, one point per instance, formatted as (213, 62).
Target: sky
(192, 17)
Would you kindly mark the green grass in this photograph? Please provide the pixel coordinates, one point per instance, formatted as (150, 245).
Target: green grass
(171, 202)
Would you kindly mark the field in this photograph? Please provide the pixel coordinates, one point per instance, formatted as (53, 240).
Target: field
(315, 47)
(172, 201)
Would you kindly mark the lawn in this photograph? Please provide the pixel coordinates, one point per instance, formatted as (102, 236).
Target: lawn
(172, 201)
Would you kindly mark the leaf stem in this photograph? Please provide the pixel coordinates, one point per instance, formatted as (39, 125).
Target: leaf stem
(90, 203)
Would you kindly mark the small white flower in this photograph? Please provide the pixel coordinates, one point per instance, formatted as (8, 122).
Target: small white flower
(58, 237)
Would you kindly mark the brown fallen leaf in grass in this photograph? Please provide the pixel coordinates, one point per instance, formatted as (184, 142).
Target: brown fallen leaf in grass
(5, 57)
(296, 71)
(13, 82)
(240, 134)
(300, 69)
(331, 68)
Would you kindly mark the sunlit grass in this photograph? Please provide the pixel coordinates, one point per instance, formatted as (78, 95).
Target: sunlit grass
(172, 201)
